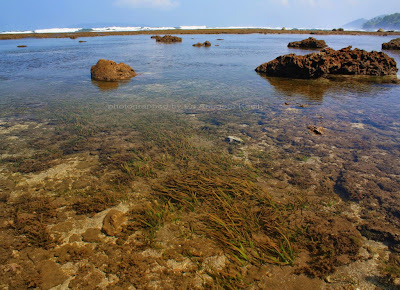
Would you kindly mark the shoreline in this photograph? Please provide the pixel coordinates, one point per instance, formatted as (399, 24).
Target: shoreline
(190, 32)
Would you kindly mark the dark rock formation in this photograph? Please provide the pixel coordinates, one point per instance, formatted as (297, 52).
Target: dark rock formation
(110, 71)
(316, 130)
(393, 44)
(346, 61)
(167, 38)
(310, 42)
(205, 44)
(21, 46)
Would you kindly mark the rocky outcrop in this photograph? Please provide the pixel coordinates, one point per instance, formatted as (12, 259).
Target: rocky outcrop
(309, 43)
(167, 38)
(110, 71)
(346, 61)
(205, 44)
(393, 44)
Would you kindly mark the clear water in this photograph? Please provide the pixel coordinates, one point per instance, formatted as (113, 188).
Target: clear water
(181, 77)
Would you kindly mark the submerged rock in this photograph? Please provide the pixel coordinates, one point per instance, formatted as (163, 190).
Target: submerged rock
(205, 44)
(316, 130)
(393, 44)
(113, 222)
(110, 71)
(346, 61)
(310, 42)
(233, 140)
(167, 38)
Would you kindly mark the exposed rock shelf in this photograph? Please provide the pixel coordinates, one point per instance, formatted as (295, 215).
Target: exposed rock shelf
(346, 61)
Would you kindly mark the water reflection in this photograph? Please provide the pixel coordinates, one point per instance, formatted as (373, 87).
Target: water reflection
(316, 89)
(313, 90)
(106, 86)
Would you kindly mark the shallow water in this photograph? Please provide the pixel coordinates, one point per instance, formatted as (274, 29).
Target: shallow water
(184, 77)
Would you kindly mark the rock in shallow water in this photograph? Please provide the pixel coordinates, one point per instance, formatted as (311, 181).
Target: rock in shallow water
(205, 44)
(346, 61)
(310, 42)
(110, 71)
(392, 45)
(113, 222)
(233, 140)
(167, 38)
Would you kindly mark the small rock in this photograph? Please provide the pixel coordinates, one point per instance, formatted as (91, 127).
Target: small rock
(22, 46)
(309, 43)
(113, 222)
(233, 139)
(51, 274)
(81, 41)
(167, 38)
(205, 44)
(316, 130)
(91, 236)
(328, 279)
(287, 104)
(74, 238)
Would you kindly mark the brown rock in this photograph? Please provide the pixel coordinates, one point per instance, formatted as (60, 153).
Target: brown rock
(309, 43)
(346, 61)
(51, 274)
(110, 71)
(74, 238)
(316, 130)
(167, 38)
(20, 46)
(113, 222)
(393, 44)
(81, 41)
(91, 236)
(205, 44)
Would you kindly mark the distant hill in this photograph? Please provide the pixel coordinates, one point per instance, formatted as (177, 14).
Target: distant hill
(387, 22)
(356, 24)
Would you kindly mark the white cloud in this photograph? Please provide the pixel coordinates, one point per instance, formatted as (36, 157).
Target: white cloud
(147, 3)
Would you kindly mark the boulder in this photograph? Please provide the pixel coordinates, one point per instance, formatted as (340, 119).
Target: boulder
(113, 222)
(346, 61)
(310, 42)
(205, 44)
(110, 71)
(393, 44)
(167, 38)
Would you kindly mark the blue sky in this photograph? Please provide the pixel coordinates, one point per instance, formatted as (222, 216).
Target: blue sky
(36, 14)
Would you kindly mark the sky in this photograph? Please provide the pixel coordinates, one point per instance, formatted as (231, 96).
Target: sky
(39, 14)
